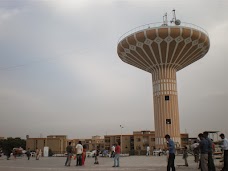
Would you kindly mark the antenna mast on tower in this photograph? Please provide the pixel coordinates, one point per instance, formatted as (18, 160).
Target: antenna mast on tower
(165, 21)
(175, 20)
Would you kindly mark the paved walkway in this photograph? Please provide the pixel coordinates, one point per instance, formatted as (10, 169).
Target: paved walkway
(132, 163)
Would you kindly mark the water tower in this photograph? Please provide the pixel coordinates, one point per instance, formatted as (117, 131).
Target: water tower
(162, 49)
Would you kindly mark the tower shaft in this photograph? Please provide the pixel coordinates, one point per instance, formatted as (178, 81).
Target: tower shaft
(166, 114)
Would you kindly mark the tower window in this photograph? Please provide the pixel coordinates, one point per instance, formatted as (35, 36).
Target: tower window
(168, 121)
(166, 98)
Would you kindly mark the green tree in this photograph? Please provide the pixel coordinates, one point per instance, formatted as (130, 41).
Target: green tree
(8, 144)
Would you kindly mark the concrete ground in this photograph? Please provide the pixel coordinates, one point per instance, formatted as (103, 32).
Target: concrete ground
(132, 163)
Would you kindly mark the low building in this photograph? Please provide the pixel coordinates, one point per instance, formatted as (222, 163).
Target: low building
(134, 144)
(137, 143)
(184, 139)
(142, 139)
(56, 143)
(91, 144)
(127, 142)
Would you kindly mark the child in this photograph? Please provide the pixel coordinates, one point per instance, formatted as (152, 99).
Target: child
(185, 155)
(96, 155)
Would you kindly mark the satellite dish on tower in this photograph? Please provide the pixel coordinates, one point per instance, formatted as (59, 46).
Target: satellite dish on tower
(174, 20)
(177, 22)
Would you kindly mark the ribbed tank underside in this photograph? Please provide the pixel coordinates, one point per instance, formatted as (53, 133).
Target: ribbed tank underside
(171, 46)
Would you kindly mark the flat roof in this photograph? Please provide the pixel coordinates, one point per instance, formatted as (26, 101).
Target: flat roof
(212, 131)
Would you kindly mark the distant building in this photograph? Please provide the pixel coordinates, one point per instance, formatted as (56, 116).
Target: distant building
(127, 144)
(57, 143)
(91, 144)
(184, 139)
(135, 143)
(142, 139)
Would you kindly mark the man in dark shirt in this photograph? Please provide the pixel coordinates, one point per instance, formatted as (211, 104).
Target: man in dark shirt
(28, 153)
(203, 146)
(69, 150)
(171, 158)
(211, 165)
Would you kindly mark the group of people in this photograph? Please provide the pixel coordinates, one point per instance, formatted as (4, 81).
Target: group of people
(15, 152)
(80, 154)
(18, 152)
(206, 149)
(38, 153)
(203, 153)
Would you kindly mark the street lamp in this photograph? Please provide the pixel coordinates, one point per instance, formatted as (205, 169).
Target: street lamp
(121, 139)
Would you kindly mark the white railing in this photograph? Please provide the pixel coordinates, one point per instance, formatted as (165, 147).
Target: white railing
(160, 24)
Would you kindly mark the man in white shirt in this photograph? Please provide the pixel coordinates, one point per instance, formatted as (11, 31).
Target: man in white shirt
(113, 151)
(148, 150)
(225, 149)
(79, 150)
(195, 149)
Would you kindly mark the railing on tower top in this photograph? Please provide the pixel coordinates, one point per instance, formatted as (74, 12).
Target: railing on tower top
(160, 24)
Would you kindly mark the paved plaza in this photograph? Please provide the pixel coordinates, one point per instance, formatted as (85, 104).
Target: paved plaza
(132, 163)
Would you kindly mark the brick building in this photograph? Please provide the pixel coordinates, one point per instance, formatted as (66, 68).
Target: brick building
(135, 143)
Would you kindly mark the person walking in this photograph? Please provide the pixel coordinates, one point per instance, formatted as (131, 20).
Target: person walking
(211, 165)
(96, 155)
(117, 155)
(28, 153)
(171, 159)
(160, 152)
(8, 152)
(69, 150)
(40, 153)
(148, 150)
(185, 155)
(37, 154)
(225, 151)
(203, 146)
(79, 149)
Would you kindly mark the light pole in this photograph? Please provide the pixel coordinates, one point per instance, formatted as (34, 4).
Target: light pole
(121, 139)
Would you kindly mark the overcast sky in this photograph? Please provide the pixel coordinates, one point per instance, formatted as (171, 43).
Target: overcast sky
(60, 72)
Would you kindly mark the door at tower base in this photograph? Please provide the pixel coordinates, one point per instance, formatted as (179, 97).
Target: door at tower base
(46, 151)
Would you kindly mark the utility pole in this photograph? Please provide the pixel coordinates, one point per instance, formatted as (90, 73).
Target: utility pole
(121, 142)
